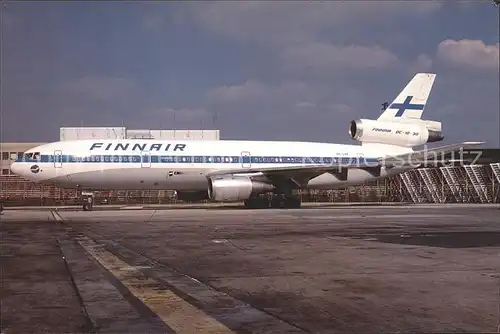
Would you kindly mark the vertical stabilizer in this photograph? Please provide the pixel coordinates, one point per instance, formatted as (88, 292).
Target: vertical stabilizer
(410, 103)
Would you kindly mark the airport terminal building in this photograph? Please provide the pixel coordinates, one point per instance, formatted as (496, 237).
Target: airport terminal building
(473, 179)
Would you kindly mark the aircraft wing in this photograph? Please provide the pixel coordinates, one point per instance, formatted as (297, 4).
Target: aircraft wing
(300, 175)
(416, 158)
(291, 170)
(408, 159)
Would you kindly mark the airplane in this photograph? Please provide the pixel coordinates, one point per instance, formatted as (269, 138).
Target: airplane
(238, 170)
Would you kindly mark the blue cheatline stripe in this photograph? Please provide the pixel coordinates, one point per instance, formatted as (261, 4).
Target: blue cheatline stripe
(200, 159)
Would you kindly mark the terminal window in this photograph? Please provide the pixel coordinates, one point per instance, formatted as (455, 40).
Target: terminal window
(5, 155)
(5, 172)
(13, 155)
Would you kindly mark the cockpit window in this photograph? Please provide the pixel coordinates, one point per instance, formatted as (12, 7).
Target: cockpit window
(32, 156)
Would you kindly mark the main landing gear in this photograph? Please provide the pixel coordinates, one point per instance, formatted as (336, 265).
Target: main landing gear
(275, 201)
(88, 201)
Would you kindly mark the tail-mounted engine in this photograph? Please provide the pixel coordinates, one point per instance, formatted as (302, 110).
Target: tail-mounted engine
(403, 132)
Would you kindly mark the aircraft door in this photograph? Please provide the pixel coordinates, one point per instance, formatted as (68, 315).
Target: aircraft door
(246, 161)
(360, 158)
(145, 159)
(58, 159)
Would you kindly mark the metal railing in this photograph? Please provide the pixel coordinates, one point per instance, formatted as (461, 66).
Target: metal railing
(474, 184)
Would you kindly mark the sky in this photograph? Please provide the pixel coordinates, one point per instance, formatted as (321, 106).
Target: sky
(298, 70)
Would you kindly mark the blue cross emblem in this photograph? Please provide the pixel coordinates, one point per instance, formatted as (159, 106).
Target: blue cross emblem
(406, 105)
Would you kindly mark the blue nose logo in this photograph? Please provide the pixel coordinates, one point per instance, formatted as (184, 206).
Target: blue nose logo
(35, 169)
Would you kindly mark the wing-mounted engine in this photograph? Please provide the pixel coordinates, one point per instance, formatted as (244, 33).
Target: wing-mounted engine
(236, 188)
(405, 132)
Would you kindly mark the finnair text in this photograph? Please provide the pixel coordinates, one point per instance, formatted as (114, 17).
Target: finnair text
(138, 147)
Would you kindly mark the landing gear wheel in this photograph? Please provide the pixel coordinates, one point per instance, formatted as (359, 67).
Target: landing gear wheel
(285, 202)
(277, 202)
(256, 203)
(248, 203)
(292, 202)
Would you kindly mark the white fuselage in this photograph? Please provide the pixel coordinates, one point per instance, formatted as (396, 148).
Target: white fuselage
(182, 165)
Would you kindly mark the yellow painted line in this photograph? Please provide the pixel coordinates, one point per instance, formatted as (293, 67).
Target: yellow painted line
(174, 311)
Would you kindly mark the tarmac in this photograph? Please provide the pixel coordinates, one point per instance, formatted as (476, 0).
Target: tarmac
(320, 269)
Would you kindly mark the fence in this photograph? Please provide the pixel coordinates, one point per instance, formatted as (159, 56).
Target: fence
(465, 184)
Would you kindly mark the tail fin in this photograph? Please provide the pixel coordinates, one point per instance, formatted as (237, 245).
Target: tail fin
(411, 102)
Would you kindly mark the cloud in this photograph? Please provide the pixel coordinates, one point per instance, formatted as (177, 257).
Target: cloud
(423, 63)
(99, 88)
(269, 70)
(158, 16)
(469, 53)
(168, 117)
(323, 59)
(305, 105)
(184, 113)
(309, 38)
(251, 90)
(288, 105)
(256, 93)
(289, 110)
(299, 21)
(152, 22)
(9, 21)
(341, 108)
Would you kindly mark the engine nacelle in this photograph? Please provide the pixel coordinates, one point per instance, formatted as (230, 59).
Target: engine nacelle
(236, 188)
(406, 133)
(192, 196)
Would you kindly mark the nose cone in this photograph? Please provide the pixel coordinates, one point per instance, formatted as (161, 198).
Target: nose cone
(16, 168)
(27, 171)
